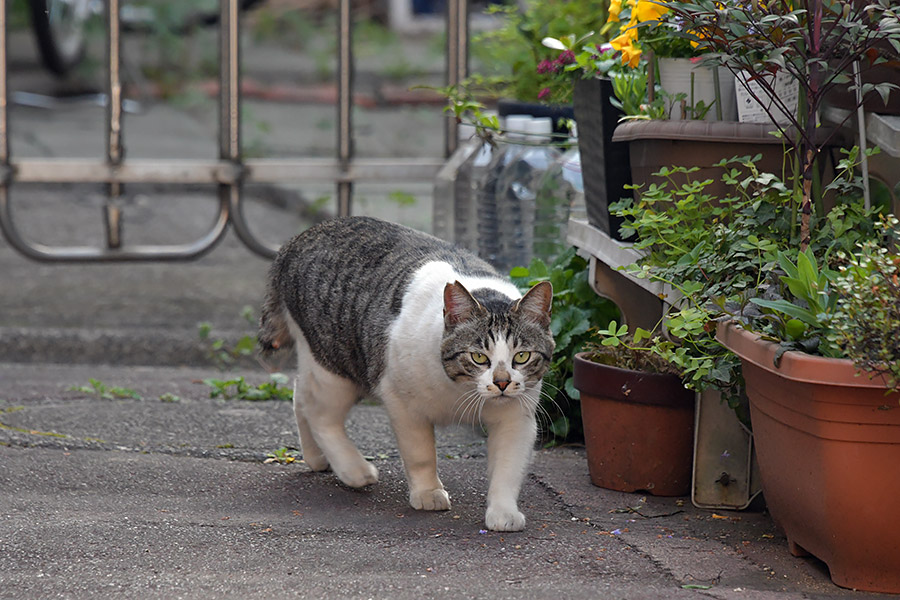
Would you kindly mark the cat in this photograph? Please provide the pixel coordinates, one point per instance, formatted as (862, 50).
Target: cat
(434, 332)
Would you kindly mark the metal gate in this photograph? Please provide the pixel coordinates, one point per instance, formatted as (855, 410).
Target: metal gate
(230, 171)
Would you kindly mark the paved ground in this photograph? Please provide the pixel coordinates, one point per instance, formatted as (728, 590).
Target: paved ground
(152, 498)
(171, 497)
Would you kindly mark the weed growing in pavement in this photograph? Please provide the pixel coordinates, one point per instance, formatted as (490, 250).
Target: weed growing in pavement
(218, 350)
(107, 392)
(283, 456)
(238, 389)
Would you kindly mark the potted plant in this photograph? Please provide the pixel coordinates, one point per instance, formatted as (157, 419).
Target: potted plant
(690, 88)
(827, 427)
(815, 42)
(817, 423)
(737, 257)
(517, 70)
(601, 97)
(637, 415)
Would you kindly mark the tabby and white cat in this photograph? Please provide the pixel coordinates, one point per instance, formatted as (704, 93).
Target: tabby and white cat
(434, 332)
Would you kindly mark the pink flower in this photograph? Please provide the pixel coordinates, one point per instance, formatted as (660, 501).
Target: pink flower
(543, 93)
(546, 66)
(566, 58)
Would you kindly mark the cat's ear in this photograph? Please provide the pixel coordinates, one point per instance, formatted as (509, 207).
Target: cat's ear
(459, 304)
(535, 305)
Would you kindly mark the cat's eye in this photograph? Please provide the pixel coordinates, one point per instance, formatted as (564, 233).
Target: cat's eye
(521, 358)
(479, 358)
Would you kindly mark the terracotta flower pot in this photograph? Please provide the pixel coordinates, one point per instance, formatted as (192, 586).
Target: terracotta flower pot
(828, 444)
(638, 429)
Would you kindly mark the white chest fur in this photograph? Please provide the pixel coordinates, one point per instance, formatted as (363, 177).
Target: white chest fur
(413, 370)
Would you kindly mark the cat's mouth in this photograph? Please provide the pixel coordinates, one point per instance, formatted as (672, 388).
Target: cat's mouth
(512, 392)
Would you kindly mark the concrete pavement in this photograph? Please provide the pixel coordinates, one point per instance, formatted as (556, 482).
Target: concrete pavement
(160, 499)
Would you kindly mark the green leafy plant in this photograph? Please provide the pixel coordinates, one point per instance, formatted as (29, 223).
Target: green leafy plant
(237, 388)
(107, 392)
(816, 42)
(809, 284)
(576, 309)
(220, 351)
(510, 53)
(865, 321)
(732, 256)
(282, 456)
(635, 352)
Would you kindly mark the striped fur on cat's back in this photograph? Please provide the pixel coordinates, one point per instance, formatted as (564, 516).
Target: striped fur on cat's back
(374, 308)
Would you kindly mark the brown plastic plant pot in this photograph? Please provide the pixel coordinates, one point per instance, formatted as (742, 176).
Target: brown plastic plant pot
(654, 144)
(828, 443)
(638, 429)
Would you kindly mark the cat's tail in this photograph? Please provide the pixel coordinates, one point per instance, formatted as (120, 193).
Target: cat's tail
(273, 336)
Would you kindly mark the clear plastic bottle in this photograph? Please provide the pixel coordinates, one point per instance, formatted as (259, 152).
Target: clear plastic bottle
(517, 187)
(451, 195)
(559, 196)
(489, 204)
(467, 189)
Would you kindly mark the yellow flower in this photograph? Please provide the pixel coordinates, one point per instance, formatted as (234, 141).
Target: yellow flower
(624, 39)
(615, 7)
(631, 55)
(699, 35)
(625, 43)
(648, 10)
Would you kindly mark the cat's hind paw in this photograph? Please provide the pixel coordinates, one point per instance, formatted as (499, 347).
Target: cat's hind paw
(437, 499)
(504, 520)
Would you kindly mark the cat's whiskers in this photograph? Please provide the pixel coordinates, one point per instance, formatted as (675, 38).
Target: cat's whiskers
(468, 401)
(532, 404)
(540, 411)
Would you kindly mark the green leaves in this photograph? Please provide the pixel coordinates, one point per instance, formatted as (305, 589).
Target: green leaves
(865, 321)
(808, 284)
(107, 392)
(238, 389)
(576, 309)
(614, 334)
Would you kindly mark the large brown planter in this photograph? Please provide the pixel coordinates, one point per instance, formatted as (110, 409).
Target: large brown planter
(638, 429)
(828, 444)
(658, 143)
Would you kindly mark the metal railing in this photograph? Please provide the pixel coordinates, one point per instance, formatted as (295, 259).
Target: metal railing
(230, 172)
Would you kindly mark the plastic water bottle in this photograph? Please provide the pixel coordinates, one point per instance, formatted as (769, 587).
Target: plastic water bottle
(451, 194)
(489, 205)
(559, 196)
(516, 193)
(467, 190)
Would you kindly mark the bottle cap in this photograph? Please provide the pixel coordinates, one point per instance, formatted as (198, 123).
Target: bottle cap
(541, 129)
(517, 126)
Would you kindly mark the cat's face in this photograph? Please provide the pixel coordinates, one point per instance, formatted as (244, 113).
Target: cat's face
(502, 348)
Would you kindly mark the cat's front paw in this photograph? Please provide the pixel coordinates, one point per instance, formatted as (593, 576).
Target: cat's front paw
(498, 519)
(316, 462)
(357, 475)
(437, 499)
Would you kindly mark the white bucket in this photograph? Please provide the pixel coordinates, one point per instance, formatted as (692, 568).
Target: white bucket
(675, 78)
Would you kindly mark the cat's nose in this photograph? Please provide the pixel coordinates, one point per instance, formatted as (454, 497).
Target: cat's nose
(502, 384)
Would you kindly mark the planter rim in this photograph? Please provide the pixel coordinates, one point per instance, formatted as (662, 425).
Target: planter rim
(706, 131)
(794, 365)
(619, 383)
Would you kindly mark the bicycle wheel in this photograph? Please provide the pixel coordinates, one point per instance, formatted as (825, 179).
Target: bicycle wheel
(59, 28)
